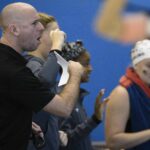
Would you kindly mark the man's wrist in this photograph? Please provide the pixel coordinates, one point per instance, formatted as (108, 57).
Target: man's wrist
(75, 78)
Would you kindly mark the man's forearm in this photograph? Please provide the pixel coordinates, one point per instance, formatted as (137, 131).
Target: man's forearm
(70, 92)
(128, 140)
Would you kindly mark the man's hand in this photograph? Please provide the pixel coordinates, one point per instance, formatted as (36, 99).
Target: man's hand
(75, 68)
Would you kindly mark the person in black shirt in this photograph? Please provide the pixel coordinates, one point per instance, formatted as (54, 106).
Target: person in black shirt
(21, 92)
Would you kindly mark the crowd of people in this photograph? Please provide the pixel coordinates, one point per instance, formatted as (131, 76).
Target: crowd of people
(36, 113)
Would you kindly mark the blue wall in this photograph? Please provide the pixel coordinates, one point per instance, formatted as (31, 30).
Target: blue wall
(109, 59)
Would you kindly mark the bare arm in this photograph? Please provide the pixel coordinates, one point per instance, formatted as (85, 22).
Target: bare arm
(112, 24)
(109, 20)
(134, 28)
(63, 103)
(117, 114)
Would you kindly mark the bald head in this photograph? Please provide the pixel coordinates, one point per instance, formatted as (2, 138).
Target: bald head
(15, 13)
(21, 26)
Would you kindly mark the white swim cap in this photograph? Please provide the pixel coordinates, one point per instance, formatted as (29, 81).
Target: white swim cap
(141, 51)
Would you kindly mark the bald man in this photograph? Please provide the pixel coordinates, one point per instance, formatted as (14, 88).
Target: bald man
(21, 92)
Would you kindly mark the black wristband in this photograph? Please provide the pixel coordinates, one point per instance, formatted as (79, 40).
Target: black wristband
(95, 119)
(55, 50)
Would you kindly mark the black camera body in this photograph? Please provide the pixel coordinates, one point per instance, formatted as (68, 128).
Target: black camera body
(72, 50)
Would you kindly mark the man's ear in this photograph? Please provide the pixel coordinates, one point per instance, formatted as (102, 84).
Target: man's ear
(14, 29)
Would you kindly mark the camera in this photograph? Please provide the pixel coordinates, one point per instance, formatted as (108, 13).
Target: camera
(71, 50)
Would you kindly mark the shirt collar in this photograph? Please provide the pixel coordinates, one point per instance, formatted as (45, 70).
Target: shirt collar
(9, 50)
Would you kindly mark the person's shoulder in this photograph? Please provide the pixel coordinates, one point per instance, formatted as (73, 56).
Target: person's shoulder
(34, 62)
(119, 90)
(34, 59)
(119, 96)
(118, 101)
(10, 67)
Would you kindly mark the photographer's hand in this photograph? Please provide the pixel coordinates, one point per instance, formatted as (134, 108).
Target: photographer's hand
(57, 39)
(100, 105)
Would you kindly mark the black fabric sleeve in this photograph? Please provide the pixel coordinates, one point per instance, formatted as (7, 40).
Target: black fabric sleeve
(27, 90)
(78, 132)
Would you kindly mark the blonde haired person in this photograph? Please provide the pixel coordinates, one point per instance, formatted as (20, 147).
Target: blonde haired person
(43, 64)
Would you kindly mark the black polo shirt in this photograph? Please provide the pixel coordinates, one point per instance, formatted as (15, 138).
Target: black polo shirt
(21, 93)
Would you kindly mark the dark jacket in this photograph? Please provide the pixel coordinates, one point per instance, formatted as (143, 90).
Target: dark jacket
(78, 126)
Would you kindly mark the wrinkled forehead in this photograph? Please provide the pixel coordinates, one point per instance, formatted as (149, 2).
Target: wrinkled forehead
(18, 12)
(29, 15)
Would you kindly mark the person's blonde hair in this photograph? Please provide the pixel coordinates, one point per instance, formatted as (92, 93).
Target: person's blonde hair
(46, 19)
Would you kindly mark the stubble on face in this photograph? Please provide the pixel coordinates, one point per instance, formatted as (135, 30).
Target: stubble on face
(22, 15)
